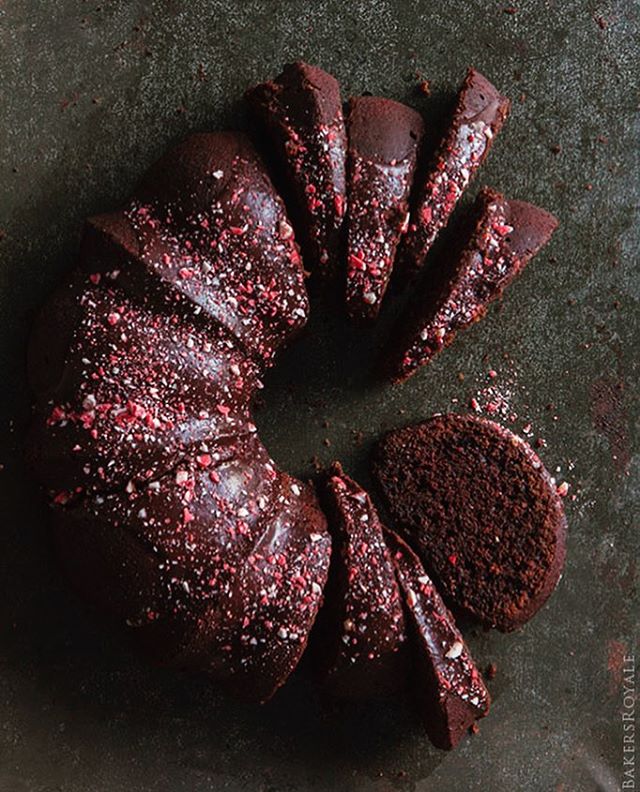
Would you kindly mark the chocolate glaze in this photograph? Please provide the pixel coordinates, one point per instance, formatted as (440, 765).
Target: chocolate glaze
(449, 686)
(359, 638)
(169, 514)
(301, 113)
(278, 593)
(142, 431)
(478, 504)
(499, 239)
(383, 142)
(478, 117)
(230, 560)
(128, 389)
(383, 130)
(119, 577)
(206, 231)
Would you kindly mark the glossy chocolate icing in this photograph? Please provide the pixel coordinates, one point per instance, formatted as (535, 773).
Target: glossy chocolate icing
(169, 514)
(499, 239)
(301, 113)
(478, 117)
(238, 556)
(361, 629)
(450, 688)
(129, 389)
(207, 232)
(384, 137)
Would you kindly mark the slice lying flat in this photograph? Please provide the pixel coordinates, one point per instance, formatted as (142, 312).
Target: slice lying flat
(500, 238)
(479, 115)
(301, 113)
(383, 143)
(361, 634)
(478, 505)
(451, 692)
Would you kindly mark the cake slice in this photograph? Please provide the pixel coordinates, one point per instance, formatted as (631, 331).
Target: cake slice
(384, 137)
(361, 627)
(500, 237)
(449, 687)
(478, 505)
(479, 115)
(300, 112)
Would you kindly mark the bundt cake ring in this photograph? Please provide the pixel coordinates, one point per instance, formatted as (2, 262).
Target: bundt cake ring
(168, 512)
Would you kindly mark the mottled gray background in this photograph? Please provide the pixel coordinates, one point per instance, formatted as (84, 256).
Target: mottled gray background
(90, 94)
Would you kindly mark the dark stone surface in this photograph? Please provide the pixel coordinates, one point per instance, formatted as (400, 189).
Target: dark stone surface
(91, 94)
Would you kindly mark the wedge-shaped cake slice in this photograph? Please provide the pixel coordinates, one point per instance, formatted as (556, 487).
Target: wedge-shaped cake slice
(500, 237)
(360, 641)
(450, 689)
(384, 137)
(301, 113)
(482, 512)
(479, 115)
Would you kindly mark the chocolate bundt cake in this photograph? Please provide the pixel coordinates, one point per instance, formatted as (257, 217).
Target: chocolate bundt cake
(169, 513)
(479, 115)
(501, 237)
(448, 685)
(478, 504)
(384, 137)
(300, 112)
(360, 632)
